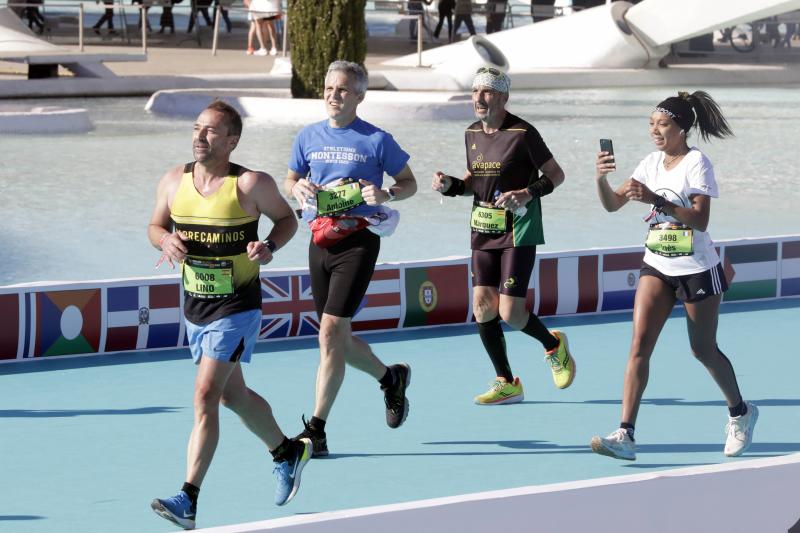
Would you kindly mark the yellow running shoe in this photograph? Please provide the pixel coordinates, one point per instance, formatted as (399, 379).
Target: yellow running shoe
(502, 392)
(561, 362)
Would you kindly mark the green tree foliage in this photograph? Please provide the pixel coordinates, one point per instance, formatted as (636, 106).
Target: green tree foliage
(322, 31)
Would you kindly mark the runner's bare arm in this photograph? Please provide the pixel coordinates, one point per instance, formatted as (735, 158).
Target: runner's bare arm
(298, 187)
(443, 182)
(405, 184)
(158, 231)
(553, 171)
(261, 192)
(467, 182)
(695, 216)
(612, 200)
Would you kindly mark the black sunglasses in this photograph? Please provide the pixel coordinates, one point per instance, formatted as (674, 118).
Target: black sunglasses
(491, 70)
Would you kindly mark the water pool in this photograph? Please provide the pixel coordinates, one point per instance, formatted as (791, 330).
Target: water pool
(76, 207)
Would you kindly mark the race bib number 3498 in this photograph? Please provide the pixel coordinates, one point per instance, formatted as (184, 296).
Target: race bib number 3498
(670, 242)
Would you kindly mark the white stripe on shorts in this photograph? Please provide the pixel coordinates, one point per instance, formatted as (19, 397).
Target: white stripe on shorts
(715, 284)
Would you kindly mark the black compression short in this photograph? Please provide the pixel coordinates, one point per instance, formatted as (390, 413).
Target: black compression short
(340, 274)
(691, 287)
(507, 268)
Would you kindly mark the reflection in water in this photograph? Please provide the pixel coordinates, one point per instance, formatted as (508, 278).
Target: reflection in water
(77, 206)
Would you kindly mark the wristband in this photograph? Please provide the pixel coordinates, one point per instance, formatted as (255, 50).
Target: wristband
(457, 187)
(391, 194)
(271, 245)
(541, 187)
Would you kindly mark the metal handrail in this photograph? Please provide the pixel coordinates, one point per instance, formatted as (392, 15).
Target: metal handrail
(82, 9)
(118, 5)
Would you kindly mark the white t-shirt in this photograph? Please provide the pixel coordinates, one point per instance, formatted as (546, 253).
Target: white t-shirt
(693, 175)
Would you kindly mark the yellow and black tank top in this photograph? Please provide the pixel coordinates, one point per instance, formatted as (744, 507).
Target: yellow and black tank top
(218, 278)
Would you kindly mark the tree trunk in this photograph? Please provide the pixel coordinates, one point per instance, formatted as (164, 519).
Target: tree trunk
(322, 31)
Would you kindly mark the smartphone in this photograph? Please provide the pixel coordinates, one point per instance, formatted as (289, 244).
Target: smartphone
(607, 146)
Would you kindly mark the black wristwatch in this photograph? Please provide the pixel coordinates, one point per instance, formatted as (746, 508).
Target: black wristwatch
(271, 245)
(659, 203)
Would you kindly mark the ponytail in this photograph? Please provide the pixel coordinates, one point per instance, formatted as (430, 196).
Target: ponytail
(710, 121)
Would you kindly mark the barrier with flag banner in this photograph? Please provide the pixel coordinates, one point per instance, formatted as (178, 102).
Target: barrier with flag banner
(54, 319)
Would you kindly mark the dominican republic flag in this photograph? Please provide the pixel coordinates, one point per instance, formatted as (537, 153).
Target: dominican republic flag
(143, 317)
(620, 278)
(756, 267)
(565, 286)
(12, 333)
(790, 269)
(287, 307)
(66, 322)
(380, 307)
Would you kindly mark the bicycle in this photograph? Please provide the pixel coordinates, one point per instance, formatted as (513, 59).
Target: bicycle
(746, 37)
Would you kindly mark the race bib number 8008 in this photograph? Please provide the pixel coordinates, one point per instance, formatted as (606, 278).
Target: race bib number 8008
(208, 279)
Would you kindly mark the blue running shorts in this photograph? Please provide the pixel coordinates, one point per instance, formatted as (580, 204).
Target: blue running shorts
(231, 338)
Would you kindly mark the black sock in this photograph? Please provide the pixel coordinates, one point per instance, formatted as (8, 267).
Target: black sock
(283, 451)
(388, 378)
(317, 424)
(495, 343)
(191, 491)
(628, 429)
(739, 409)
(539, 331)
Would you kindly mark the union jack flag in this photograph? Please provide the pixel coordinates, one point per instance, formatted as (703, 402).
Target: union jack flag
(287, 307)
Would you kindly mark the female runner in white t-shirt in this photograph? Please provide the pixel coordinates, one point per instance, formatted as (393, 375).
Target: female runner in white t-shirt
(680, 262)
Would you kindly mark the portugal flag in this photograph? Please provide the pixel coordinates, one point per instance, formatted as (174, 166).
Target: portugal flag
(437, 294)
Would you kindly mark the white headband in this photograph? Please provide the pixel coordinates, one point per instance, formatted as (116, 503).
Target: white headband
(498, 82)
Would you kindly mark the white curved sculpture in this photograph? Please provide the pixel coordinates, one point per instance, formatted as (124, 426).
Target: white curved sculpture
(611, 36)
(16, 38)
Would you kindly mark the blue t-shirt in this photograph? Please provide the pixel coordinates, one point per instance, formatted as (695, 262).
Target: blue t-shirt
(359, 150)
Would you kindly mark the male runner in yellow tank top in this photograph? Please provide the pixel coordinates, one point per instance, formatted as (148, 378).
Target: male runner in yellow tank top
(213, 206)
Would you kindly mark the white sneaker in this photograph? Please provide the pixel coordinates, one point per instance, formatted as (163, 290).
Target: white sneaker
(740, 431)
(273, 51)
(617, 445)
(261, 52)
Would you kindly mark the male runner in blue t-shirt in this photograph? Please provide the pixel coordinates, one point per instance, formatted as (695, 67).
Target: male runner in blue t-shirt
(336, 173)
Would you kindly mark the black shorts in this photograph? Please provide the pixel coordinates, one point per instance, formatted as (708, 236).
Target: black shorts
(507, 268)
(692, 287)
(340, 274)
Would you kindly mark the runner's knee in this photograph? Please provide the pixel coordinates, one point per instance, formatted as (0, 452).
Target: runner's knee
(206, 397)
(485, 309)
(333, 334)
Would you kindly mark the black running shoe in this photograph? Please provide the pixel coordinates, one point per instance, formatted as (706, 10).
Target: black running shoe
(318, 439)
(395, 396)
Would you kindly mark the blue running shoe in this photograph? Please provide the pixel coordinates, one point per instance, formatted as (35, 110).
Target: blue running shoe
(288, 473)
(177, 510)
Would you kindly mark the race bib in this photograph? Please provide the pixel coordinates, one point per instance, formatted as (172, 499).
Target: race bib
(339, 199)
(488, 219)
(208, 279)
(670, 241)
